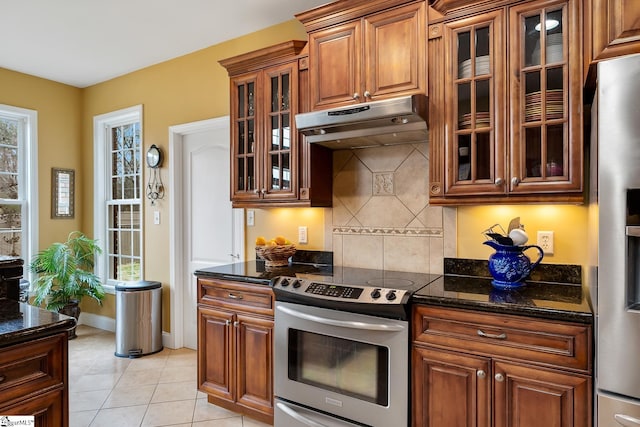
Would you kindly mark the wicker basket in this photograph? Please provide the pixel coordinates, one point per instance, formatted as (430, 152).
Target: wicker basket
(276, 256)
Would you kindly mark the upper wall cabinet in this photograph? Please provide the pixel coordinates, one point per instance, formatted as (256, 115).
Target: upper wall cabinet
(615, 28)
(365, 50)
(507, 126)
(270, 163)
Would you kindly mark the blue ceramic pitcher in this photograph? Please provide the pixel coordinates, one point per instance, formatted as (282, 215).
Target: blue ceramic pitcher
(509, 266)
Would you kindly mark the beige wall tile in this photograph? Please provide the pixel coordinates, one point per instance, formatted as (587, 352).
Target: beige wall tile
(407, 253)
(362, 251)
(436, 255)
(383, 211)
(411, 182)
(384, 159)
(353, 184)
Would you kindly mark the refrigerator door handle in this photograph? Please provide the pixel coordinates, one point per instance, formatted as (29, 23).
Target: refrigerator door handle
(626, 420)
(633, 230)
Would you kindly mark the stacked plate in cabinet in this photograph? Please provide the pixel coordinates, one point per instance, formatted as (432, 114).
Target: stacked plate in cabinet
(483, 120)
(554, 49)
(482, 67)
(554, 105)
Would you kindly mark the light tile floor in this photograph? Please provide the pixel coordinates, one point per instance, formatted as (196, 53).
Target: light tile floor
(153, 390)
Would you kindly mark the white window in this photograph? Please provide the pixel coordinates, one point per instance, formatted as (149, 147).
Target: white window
(118, 194)
(18, 183)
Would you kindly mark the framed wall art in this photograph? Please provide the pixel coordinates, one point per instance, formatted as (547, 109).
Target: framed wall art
(62, 193)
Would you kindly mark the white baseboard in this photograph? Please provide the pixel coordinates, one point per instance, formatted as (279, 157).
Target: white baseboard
(108, 324)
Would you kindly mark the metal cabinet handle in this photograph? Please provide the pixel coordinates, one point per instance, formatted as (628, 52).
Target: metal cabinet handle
(481, 374)
(2, 378)
(515, 181)
(501, 336)
(356, 96)
(234, 296)
(236, 323)
(626, 420)
(227, 322)
(499, 182)
(367, 94)
(237, 256)
(499, 378)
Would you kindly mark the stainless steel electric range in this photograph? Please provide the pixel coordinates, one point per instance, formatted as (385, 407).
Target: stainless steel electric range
(342, 347)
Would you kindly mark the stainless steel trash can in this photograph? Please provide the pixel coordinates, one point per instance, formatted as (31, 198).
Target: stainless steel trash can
(138, 318)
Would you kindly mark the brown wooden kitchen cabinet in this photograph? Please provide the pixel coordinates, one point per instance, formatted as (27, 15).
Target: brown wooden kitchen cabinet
(483, 370)
(33, 380)
(506, 121)
(270, 162)
(235, 346)
(365, 50)
(614, 28)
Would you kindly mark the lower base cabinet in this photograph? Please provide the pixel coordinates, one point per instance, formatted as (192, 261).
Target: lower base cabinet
(235, 347)
(33, 380)
(495, 379)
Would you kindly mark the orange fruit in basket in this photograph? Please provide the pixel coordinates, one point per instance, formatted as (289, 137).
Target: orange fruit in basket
(280, 240)
(272, 243)
(261, 241)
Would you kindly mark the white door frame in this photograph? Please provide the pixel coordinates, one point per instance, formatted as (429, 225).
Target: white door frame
(176, 235)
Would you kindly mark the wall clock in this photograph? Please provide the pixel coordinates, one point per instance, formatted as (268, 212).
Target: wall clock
(154, 157)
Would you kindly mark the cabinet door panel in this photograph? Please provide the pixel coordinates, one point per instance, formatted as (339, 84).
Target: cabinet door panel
(545, 98)
(48, 409)
(474, 79)
(616, 28)
(216, 373)
(334, 64)
(395, 52)
(255, 362)
(450, 389)
(531, 397)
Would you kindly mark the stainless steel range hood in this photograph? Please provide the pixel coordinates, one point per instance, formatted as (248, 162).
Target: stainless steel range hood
(388, 122)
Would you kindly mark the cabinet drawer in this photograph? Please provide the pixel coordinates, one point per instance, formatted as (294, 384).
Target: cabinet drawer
(546, 342)
(237, 296)
(31, 368)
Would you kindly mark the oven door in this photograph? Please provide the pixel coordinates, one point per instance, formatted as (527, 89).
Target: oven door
(350, 365)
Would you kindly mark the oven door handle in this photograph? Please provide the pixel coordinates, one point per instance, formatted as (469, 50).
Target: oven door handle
(626, 420)
(342, 323)
(298, 417)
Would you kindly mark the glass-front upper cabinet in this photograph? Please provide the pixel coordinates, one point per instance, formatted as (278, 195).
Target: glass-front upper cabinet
(475, 141)
(545, 83)
(244, 162)
(281, 92)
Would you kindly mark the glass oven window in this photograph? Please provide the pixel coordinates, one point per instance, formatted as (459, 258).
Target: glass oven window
(348, 367)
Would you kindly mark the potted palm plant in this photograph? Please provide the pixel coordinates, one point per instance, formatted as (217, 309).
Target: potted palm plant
(65, 275)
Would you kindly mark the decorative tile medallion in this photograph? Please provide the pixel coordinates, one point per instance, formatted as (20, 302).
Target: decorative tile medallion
(383, 184)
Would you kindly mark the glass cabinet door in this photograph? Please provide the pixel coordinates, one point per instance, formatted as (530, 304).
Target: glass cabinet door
(475, 152)
(280, 137)
(541, 145)
(244, 134)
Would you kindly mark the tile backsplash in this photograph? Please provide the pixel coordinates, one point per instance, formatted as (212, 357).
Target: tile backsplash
(381, 217)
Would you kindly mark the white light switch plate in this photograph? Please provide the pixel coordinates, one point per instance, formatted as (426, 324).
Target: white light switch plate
(302, 234)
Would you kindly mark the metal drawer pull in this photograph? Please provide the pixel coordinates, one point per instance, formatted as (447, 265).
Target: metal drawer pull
(227, 322)
(2, 378)
(626, 420)
(499, 378)
(234, 296)
(481, 374)
(483, 334)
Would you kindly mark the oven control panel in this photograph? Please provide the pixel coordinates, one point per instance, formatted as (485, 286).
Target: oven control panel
(346, 293)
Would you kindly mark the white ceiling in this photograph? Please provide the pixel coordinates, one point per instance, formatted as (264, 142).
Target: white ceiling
(84, 42)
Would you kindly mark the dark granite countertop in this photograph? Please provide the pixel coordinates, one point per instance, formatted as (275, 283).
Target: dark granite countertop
(554, 292)
(20, 322)
(256, 272)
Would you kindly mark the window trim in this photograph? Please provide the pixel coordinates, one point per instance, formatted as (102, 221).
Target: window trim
(101, 158)
(29, 175)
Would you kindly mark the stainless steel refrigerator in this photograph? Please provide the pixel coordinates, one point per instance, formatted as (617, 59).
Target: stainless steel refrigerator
(615, 234)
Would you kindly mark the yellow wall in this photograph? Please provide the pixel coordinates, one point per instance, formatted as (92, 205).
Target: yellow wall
(270, 223)
(186, 89)
(59, 142)
(568, 222)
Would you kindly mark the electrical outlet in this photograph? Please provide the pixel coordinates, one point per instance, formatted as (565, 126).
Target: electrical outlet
(545, 241)
(251, 218)
(302, 235)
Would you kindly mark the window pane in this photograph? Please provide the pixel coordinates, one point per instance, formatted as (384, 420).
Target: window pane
(11, 230)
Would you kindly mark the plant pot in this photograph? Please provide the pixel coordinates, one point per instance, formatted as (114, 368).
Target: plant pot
(72, 309)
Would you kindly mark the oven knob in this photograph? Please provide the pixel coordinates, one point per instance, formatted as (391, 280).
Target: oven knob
(284, 282)
(296, 283)
(391, 295)
(375, 294)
